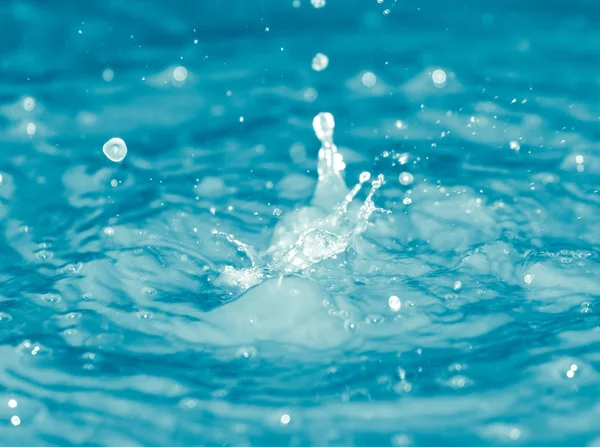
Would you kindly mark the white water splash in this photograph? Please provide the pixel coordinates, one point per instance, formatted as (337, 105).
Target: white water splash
(315, 233)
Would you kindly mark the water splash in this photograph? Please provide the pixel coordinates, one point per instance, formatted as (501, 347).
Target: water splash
(315, 233)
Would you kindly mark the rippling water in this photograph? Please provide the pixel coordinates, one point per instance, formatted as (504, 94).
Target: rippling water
(466, 316)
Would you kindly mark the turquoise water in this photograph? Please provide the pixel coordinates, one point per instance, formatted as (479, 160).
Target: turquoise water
(457, 306)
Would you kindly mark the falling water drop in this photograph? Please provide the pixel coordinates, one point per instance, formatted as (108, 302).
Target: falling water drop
(115, 149)
(323, 124)
(320, 62)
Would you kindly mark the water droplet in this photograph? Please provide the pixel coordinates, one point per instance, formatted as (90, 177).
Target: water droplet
(145, 315)
(323, 125)
(29, 104)
(405, 178)
(394, 303)
(180, 74)
(148, 291)
(247, 353)
(439, 78)
(115, 149)
(374, 319)
(350, 325)
(51, 298)
(108, 75)
(369, 79)
(320, 62)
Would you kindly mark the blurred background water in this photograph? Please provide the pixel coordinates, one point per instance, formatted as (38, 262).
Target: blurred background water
(492, 246)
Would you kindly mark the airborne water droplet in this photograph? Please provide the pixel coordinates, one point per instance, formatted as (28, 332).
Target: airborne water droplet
(115, 149)
(320, 62)
(323, 124)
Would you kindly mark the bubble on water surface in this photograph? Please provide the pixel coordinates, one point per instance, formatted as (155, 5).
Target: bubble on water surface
(115, 149)
(320, 62)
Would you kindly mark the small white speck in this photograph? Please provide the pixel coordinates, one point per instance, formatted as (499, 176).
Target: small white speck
(15, 420)
(285, 419)
(12, 403)
(457, 285)
(514, 145)
(31, 129)
(317, 3)
(528, 278)
(241, 119)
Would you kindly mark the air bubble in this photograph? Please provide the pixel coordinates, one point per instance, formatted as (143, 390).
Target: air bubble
(364, 177)
(115, 149)
(317, 3)
(515, 146)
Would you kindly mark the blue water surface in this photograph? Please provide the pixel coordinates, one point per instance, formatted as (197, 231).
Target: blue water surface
(110, 271)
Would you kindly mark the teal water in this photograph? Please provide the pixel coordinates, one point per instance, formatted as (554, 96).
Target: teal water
(467, 315)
